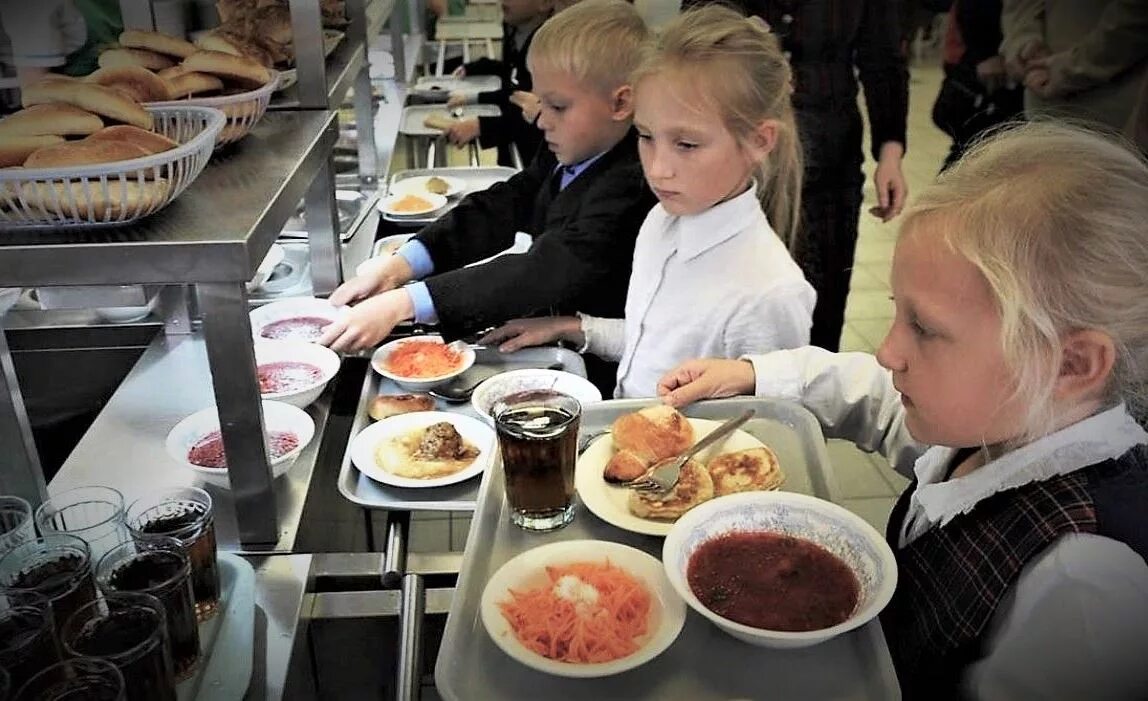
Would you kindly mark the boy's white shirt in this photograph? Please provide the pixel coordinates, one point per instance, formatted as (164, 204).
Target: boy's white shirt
(1075, 624)
(715, 284)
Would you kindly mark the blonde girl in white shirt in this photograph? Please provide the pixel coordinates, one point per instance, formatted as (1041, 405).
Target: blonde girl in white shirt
(1019, 353)
(711, 276)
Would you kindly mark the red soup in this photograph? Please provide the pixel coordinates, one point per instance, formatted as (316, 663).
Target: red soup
(286, 376)
(297, 328)
(773, 581)
(208, 452)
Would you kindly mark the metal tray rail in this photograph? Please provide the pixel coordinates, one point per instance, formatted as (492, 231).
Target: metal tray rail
(704, 663)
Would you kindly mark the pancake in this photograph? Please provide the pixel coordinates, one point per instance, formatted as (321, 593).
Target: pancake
(694, 486)
(745, 471)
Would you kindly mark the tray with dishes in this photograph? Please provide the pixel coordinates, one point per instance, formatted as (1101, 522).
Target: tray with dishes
(394, 417)
(509, 577)
(432, 120)
(420, 196)
(439, 88)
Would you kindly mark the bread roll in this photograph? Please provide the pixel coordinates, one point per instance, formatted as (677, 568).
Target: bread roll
(439, 120)
(238, 68)
(150, 141)
(140, 83)
(15, 149)
(82, 153)
(191, 83)
(104, 101)
(645, 437)
(157, 42)
(228, 43)
(114, 58)
(95, 201)
(55, 118)
(386, 406)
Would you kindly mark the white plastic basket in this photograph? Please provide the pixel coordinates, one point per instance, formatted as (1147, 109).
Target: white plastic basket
(242, 110)
(113, 193)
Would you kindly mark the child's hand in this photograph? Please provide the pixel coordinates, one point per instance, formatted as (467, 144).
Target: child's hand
(528, 102)
(456, 99)
(459, 72)
(376, 275)
(706, 379)
(892, 190)
(1019, 65)
(521, 333)
(463, 132)
(369, 322)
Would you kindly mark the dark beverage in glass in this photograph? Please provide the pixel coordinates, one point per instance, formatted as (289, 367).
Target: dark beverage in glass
(127, 630)
(81, 679)
(56, 566)
(186, 514)
(27, 636)
(158, 567)
(538, 438)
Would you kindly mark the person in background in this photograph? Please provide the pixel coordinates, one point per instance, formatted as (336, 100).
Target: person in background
(829, 44)
(520, 20)
(582, 199)
(711, 277)
(1019, 353)
(59, 36)
(1080, 59)
(977, 93)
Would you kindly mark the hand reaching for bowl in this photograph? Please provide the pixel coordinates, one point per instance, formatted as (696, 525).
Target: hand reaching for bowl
(522, 333)
(369, 322)
(709, 378)
(377, 275)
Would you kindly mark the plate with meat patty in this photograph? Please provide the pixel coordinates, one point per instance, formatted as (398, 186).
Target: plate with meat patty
(423, 449)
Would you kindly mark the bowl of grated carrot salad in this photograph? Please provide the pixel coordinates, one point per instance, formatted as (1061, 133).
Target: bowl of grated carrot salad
(420, 363)
(582, 608)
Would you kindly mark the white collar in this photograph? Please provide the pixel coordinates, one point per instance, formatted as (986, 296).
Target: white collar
(1103, 436)
(698, 233)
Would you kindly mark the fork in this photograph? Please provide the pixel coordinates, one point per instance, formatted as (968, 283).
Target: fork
(663, 476)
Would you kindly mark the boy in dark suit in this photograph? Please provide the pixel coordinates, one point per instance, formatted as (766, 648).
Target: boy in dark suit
(520, 20)
(582, 199)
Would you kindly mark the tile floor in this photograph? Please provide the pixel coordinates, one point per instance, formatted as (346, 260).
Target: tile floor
(868, 484)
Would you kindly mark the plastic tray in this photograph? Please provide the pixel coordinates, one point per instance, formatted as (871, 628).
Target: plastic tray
(704, 663)
(227, 640)
(477, 180)
(440, 88)
(413, 116)
(366, 492)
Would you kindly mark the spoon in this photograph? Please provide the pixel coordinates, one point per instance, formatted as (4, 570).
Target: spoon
(461, 389)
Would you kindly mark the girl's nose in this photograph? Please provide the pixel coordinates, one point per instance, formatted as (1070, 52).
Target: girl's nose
(658, 166)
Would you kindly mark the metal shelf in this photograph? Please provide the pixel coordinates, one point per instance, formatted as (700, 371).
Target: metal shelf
(217, 231)
(343, 66)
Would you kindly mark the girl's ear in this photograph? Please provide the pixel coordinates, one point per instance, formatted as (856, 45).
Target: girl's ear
(764, 139)
(622, 103)
(1086, 361)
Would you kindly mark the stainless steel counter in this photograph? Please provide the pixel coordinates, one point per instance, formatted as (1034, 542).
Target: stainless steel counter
(280, 628)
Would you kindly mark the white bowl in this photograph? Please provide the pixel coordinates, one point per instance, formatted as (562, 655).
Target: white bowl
(834, 528)
(289, 308)
(514, 381)
(528, 570)
(434, 204)
(277, 416)
(420, 384)
(327, 360)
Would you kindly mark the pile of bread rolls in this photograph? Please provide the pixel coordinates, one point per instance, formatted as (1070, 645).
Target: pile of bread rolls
(261, 29)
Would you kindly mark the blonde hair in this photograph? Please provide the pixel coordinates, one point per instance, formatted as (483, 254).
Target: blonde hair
(598, 42)
(745, 77)
(1053, 216)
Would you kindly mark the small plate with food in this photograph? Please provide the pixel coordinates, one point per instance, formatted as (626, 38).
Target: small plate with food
(403, 205)
(420, 363)
(423, 449)
(639, 440)
(582, 608)
(445, 185)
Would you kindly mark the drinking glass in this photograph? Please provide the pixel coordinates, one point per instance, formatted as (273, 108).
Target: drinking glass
(95, 514)
(186, 514)
(158, 566)
(56, 566)
(82, 679)
(27, 636)
(538, 437)
(127, 630)
(15, 523)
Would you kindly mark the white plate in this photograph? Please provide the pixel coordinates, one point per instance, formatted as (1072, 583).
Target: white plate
(507, 383)
(608, 501)
(528, 570)
(434, 203)
(417, 185)
(473, 430)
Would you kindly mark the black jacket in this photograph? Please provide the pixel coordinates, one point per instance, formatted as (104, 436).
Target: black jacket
(510, 127)
(581, 254)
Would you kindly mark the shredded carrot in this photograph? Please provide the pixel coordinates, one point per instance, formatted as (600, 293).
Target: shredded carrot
(422, 359)
(581, 631)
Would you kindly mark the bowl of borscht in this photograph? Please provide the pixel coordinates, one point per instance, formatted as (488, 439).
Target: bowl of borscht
(779, 569)
(196, 443)
(295, 372)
